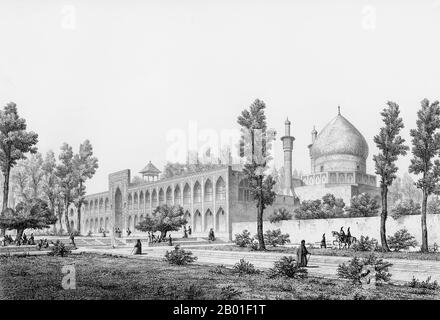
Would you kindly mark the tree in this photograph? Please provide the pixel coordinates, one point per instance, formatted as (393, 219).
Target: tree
(258, 139)
(51, 184)
(328, 207)
(363, 206)
(84, 165)
(391, 145)
(164, 219)
(405, 208)
(68, 180)
(15, 143)
(426, 146)
(433, 206)
(402, 240)
(279, 215)
(29, 214)
(27, 177)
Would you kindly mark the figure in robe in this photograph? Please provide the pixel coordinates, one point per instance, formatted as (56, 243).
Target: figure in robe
(301, 255)
(323, 242)
(137, 247)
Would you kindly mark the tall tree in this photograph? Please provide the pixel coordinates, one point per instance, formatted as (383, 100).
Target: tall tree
(68, 180)
(15, 142)
(85, 165)
(391, 145)
(50, 185)
(27, 177)
(258, 140)
(426, 146)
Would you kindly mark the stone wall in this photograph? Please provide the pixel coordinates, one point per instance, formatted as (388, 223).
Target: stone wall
(311, 230)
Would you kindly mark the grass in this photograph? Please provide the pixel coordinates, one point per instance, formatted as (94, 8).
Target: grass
(332, 252)
(108, 277)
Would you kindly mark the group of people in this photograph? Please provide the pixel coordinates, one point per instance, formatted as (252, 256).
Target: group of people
(186, 231)
(23, 240)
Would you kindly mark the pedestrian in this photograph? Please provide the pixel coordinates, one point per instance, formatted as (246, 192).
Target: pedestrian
(170, 240)
(323, 242)
(189, 230)
(72, 239)
(137, 247)
(301, 255)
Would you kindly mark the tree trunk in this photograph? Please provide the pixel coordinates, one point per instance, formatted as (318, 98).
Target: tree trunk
(383, 219)
(79, 218)
(260, 236)
(66, 216)
(19, 234)
(424, 247)
(5, 195)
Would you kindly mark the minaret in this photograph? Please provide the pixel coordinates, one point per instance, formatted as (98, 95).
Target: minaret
(287, 147)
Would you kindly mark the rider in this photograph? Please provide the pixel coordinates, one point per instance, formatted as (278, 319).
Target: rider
(348, 233)
(342, 233)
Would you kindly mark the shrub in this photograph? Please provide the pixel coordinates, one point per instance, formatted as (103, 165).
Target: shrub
(244, 239)
(286, 267)
(427, 284)
(254, 245)
(363, 206)
(220, 269)
(229, 293)
(366, 269)
(179, 256)
(328, 207)
(405, 208)
(59, 250)
(365, 244)
(193, 292)
(274, 238)
(279, 215)
(245, 267)
(402, 240)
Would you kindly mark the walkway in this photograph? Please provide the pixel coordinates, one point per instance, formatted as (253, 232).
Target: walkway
(321, 266)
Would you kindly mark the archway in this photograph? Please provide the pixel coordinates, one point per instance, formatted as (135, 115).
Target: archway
(209, 220)
(220, 222)
(118, 209)
(197, 221)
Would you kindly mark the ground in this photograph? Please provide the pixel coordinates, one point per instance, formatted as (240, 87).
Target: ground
(110, 277)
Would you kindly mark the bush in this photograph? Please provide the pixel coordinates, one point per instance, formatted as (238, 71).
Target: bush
(254, 245)
(59, 250)
(245, 267)
(179, 256)
(279, 215)
(405, 208)
(427, 284)
(229, 293)
(365, 244)
(402, 240)
(366, 269)
(286, 267)
(220, 269)
(275, 238)
(193, 292)
(244, 239)
(363, 206)
(328, 207)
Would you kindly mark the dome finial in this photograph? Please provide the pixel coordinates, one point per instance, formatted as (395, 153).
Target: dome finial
(339, 110)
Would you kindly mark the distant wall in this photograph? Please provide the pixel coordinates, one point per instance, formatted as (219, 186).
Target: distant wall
(312, 230)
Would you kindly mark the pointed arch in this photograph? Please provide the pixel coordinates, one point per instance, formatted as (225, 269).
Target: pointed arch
(197, 190)
(129, 221)
(154, 199)
(187, 217)
(141, 200)
(197, 221)
(101, 204)
(169, 196)
(135, 201)
(147, 198)
(244, 190)
(106, 224)
(177, 195)
(187, 194)
(161, 197)
(130, 202)
(106, 204)
(208, 190)
(220, 189)
(135, 222)
(209, 220)
(220, 222)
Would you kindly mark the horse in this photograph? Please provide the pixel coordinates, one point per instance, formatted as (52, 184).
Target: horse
(347, 241)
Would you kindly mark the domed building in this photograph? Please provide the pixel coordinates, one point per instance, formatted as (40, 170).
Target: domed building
(338, 156)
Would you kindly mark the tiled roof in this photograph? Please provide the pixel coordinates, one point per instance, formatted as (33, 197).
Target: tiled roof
(150, 169)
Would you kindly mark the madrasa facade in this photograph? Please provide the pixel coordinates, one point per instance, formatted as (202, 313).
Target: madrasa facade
(220, 197)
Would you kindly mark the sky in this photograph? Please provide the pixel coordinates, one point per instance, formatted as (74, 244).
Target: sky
(130, 75)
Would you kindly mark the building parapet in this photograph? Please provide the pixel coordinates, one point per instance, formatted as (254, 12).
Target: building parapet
(339, 177)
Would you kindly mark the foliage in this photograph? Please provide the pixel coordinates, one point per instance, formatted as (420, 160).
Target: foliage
(364, 244)
(427, 284)
(30, 214)
(229, 293)
(402, 240)
(328, 207)
(27, 177)
(219, 269)
(363, 205)
(403, 188)
(279, 215)
(434, 205)
(59, 249)
(426, 146)
(175, 169)
(286, 267)
(405, 208)
(356, 270)
(244, 267)
(193, 292)
(164, 219)
(274, 238)
(178, 256)
(257, 138)
(244, 239)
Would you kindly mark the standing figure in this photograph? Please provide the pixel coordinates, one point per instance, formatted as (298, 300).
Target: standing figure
(72, 240)
(137, 247)
(185, 233)
(211, 235)
(128, 232)
(301, 255)
(189, 230)
(323, 242)
(170, 240)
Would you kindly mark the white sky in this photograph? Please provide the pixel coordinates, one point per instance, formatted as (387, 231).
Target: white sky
(125, 73)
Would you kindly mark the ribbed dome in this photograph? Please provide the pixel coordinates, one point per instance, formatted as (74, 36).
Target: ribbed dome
(339, 137)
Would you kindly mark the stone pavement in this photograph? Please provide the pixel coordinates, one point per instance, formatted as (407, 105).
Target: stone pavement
(321, 266)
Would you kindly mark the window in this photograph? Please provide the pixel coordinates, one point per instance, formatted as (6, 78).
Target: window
(244, 193)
